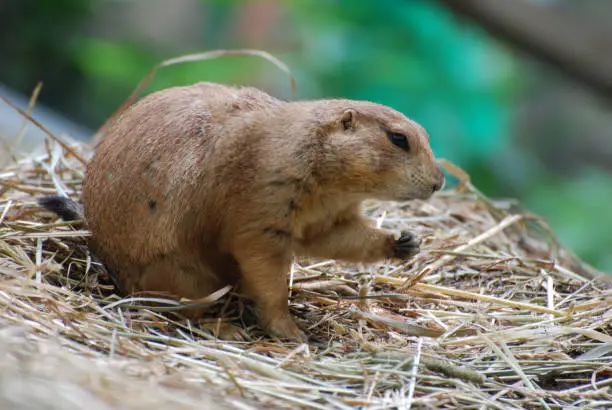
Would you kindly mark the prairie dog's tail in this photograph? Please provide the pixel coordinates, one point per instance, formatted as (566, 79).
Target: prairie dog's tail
(70, 210)
(65, 208)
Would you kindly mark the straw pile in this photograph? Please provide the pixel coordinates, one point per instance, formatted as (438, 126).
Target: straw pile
(493, 313)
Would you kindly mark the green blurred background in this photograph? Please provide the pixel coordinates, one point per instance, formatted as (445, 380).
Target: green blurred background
(520, 129)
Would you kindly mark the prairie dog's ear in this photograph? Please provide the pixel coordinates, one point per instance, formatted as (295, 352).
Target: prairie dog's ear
(348, 119)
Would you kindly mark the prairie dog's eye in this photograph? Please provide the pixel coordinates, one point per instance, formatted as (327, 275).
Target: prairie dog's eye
(399, 140)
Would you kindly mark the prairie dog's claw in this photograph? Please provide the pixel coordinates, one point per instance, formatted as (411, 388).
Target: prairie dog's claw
(406, 246)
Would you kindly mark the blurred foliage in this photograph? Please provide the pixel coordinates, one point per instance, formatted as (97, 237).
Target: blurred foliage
(38, 45)
(579, 210)
(412, 55)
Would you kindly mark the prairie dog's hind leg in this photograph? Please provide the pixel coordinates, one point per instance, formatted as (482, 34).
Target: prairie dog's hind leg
(264, 280)
(179, 277)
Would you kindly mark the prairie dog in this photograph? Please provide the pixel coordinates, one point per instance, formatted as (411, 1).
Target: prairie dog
(200, 186)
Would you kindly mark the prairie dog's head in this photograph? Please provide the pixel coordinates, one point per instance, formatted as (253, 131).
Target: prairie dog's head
(377, 152)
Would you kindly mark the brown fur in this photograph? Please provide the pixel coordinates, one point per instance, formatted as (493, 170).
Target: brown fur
(206, 185)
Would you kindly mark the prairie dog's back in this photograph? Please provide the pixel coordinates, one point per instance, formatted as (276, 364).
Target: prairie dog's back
(142, 180)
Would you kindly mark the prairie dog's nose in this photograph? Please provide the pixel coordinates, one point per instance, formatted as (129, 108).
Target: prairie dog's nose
(441, 181)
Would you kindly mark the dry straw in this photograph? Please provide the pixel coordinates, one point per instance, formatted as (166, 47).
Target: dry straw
(493, 313)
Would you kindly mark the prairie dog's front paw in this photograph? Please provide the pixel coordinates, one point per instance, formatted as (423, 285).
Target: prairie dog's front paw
(406, 246)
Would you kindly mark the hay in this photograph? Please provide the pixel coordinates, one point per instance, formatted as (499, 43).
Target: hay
(502, 317)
